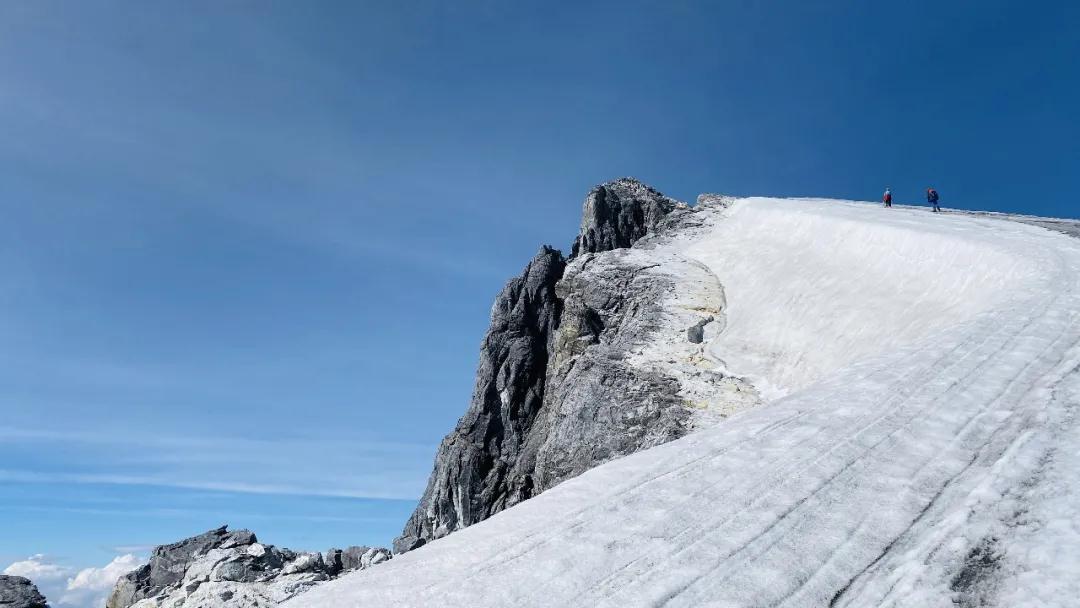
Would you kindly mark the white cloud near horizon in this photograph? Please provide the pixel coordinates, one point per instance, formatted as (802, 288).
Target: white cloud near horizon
(37, 568)
(90, 587)
(65, 587)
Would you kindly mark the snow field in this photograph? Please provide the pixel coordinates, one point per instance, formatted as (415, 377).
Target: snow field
(814, 286)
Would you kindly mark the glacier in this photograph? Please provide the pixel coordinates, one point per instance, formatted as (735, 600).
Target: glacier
(918, 444)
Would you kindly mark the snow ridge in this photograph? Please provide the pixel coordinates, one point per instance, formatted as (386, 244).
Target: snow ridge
(923, 450)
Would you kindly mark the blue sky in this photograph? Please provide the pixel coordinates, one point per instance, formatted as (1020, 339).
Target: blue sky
(249, 249)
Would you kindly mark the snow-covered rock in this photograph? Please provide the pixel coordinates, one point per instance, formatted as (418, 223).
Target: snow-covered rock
(562, 385)
(231, 569)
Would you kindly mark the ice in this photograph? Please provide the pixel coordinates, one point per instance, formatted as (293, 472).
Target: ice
(925, 451)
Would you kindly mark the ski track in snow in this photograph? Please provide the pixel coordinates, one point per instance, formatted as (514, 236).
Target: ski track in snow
(925, 450)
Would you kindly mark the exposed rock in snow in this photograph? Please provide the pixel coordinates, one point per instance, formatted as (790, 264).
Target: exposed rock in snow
(353, 558)
(570, 371)
(695, 334)
(19, 592)
(223, 568)
(709, 199)
(597, 406)
(616, 214)
(497, 456)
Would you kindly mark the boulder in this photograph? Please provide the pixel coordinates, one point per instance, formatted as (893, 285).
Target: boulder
(19, 592)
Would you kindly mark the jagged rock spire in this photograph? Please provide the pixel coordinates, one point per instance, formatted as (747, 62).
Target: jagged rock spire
(618, 213)
(469, 482)
(488, 462)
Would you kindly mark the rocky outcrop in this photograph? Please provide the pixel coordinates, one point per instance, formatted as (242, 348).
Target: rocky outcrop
(19, 592)
(225, 568)
(695, 334)
(472, 480)
(170, 563)
(518, 436)
(599, 405)
(616, 214)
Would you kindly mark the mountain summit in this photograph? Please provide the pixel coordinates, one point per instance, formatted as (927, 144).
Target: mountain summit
(546, 406)
(784, 402)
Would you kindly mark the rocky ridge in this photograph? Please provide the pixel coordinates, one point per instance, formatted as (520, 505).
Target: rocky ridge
(565, 381)
(19, 592)
(222, 568)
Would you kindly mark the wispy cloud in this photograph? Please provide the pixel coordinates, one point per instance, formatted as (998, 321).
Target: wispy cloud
(296, 489)
(315, 186)
(287, 466)
(90, 587)
(173, 513)
(204, 441)
(132, 549)
(37, 568)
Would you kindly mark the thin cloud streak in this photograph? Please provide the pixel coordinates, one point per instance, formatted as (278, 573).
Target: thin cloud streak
(175, 513)
(240, 488)
(288, 466)
(9, 433)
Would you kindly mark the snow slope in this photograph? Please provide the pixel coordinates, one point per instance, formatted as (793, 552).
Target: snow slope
(814, 285)
(926, 451)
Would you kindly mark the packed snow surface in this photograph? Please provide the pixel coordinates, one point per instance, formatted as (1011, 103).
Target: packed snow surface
(815, 285)
(922, 449)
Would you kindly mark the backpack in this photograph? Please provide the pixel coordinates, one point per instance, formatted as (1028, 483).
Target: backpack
(932, 195)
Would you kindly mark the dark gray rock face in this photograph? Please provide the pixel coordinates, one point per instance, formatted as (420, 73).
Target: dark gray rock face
(511, 443)
(232, 569)
(598, 406)
(470, 481)
(19, 592)
(618, 213)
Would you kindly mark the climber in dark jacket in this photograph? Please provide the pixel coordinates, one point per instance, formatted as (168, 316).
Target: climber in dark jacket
(932, 198)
